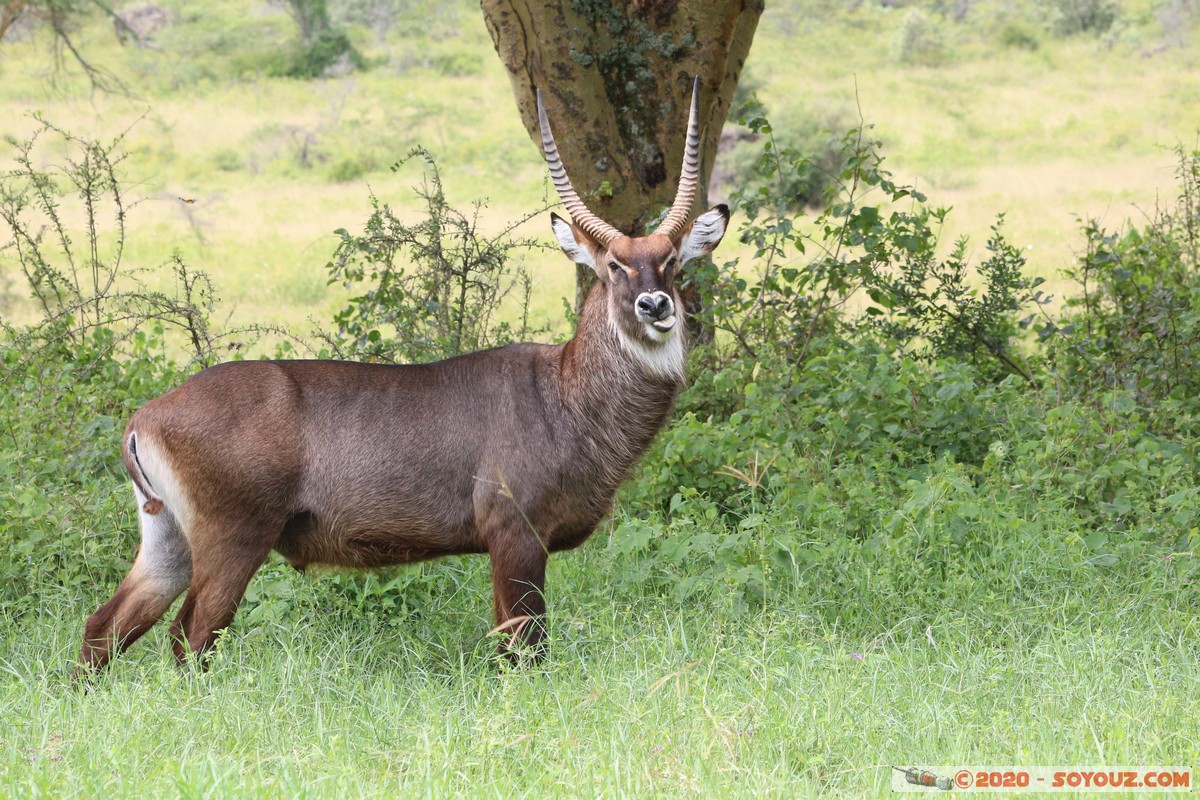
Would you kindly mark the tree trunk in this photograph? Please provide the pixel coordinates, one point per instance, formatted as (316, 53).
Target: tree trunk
(616, 79)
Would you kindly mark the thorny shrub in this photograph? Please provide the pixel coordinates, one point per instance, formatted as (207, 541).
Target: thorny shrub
(431, 289)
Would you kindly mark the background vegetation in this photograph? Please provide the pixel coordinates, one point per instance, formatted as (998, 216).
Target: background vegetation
(928, 499)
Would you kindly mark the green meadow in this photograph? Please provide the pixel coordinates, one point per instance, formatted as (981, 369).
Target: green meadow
(820, 571)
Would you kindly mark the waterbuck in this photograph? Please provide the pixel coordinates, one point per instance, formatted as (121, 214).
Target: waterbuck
(515, 452)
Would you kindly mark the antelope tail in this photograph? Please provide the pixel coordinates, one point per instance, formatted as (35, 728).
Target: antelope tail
(154, 503)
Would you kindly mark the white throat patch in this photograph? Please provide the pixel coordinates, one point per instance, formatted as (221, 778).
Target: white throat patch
(665, 359)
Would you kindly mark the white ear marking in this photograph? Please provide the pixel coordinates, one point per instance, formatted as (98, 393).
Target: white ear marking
(704, 234)
(578, 253)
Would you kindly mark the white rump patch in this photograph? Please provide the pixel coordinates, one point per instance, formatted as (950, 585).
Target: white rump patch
(165, 557)
(163, 481)
(704, 235)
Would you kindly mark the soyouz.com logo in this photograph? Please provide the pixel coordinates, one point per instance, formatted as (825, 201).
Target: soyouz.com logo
(1041, 779)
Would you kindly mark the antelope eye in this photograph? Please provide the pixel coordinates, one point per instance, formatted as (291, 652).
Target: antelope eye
(670, 265)
(614, 266)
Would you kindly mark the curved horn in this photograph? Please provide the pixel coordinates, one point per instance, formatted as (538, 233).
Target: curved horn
(593, 226)
(689, 179)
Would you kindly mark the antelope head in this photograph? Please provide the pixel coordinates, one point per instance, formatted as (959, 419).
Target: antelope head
(640, 273)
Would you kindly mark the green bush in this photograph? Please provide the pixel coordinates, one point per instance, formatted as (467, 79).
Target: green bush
(1134, 327)
(428, 290)
(814, 155)
(927, 482)
(910, 452)
(1074, 17)
(918, 40)
(1018, 36)
(946, 308)
(330, 52)
(456, 64)
(350, 169)
(227, 160)
(67, 521)
(873, 237)
(104, 346)
(855, 404)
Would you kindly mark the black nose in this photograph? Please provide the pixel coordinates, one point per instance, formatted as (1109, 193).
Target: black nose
(655, 305)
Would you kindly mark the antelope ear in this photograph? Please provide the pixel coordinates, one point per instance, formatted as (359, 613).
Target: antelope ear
(575, 243)
(704, 234)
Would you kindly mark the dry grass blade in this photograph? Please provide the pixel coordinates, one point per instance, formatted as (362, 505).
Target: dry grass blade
(753, 478)
(513, 626)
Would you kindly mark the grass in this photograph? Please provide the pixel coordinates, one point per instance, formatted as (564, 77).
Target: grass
(642, 699)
